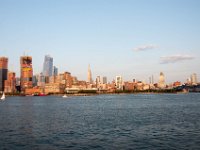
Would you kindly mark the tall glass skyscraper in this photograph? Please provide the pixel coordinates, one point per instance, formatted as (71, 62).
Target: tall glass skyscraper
(48, 66)
(3, 71)
(55, 71)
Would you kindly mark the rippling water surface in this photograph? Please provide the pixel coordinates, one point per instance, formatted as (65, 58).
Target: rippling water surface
(166, 121)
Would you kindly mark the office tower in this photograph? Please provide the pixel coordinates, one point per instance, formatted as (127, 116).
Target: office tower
(41, 80)
(48, 66)
(162, 80)
(26, 72)
(10, 83)
(89, 75)
(3, 71)
(98, 80)
(194, 78)
(55, 71)
(119, 82)
(104, 80)
(35, 80)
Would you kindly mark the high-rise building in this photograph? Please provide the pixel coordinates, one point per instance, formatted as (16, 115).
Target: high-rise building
(104, 80)
(89, 75)
(119, 82)
(48, 66)
(10, 83)
(3, 71)
(26, 72)
(35, 80)
(98, 80)
(55, 71)
(41, 80)
(68, 79)
(194, 78)
(162, 80)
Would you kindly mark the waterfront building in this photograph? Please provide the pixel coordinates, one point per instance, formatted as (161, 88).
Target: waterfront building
(119, 82)
(161, 83)
(111, 87)
(26, 72)
(34, 91)
(3, 71)
(68, 79)
(89, 75)
(129, 86)
(177, 83)
(51, 88)
(139, 85)
(10, 83)
(48, 66)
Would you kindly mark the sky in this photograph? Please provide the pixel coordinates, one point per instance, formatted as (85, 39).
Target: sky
(132, 38)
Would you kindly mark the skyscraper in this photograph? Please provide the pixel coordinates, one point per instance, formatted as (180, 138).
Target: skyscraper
(10, 83)
(55, 71)
(194, 78)
(98, 80)
(26, 72)
(104, 80)
(89, 75)
(3, 71)
(48, 66)
(119, 82)
(162, 80)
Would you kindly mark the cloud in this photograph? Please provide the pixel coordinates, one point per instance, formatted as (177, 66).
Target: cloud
(145, 47)
(175, 58)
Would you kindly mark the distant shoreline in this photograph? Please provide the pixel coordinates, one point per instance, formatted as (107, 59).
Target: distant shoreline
(95, 94)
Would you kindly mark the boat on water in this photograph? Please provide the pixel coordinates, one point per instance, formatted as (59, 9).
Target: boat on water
(64, 96)
(3, 96)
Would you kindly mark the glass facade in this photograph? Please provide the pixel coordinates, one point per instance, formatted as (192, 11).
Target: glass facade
(48, 66)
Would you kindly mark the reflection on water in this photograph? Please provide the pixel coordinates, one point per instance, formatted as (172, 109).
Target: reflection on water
(166, 121)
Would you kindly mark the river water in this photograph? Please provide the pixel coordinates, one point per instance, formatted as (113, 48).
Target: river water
(135, 121)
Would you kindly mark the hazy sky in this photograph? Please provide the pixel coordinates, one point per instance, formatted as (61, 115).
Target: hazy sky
(132, 38)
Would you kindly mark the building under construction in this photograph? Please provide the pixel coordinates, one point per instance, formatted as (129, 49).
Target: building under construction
(26, 72)
(3, 71)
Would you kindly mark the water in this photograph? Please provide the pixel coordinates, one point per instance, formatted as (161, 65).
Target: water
(166, 121)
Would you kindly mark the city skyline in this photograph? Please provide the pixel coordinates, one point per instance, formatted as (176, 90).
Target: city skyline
(134, 39)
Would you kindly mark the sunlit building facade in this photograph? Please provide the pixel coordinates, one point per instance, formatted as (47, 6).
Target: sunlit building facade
(10, 83)
(26, 72)
(119, 82)
(89, 75)
(162, 80)
(3, 71)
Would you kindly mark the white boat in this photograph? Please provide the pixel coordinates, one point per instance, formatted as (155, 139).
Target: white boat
(64, 96)
(3, 96)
